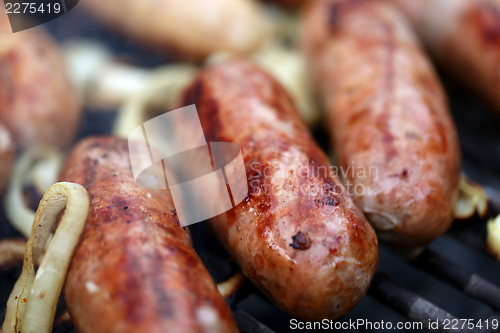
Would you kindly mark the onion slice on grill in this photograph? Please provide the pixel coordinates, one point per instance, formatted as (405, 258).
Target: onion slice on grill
(40, 165)
(32, 303)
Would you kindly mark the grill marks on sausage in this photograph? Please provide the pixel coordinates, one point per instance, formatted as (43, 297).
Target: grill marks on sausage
(208, 109)
(213, 119)
(133, 266)
(145, 268)
(133, 249)
(164, 303)
(333, 16)
(388, 93)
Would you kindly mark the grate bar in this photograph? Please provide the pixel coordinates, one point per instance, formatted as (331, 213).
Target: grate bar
(248, 324)
(472, 238)
(470, 283)
(410, 305)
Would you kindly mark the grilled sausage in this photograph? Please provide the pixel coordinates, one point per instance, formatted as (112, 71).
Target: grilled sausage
(134, 269)
(6, 156)
(288, 3)
(37, 102)
(464, 38)
(192, 28)
(389, 118)
(298, 236)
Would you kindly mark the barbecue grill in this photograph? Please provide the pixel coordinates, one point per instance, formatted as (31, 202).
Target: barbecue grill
(453, 279)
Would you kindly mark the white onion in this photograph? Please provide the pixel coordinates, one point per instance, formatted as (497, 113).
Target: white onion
(31, 305)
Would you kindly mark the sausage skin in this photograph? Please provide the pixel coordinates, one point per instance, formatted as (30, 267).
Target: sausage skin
(388, 116)
(38, 103)
(189, 28)
(463, 36)
(297, 235)
(289, 4)
(6, 156)
(134, 269)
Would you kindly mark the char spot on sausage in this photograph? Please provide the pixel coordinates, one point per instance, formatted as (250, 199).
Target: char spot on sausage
(175, 218)
(301, 241)
(328, 200)
(403, 174)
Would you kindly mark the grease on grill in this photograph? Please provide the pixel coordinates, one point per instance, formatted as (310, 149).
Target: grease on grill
(301, 241)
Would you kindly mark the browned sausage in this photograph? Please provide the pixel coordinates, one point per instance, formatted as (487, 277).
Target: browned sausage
(192, 28)
(38, 104)
(388, 117)
(464, 38)
(6, 156)
(134, 269)
(288, 3)
(297, 236)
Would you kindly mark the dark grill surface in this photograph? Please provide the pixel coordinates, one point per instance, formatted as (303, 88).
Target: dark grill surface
(453, 278)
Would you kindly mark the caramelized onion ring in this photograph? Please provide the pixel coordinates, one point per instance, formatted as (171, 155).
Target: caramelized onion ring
(32, 303)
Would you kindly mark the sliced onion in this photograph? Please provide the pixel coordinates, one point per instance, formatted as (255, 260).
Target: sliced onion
(44, 175)
(162, 91)
(229, 288)
(31, 305)
(493, 237)
(472, 200)
(290, 68)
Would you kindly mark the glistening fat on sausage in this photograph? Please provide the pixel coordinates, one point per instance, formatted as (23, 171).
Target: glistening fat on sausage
(298, 236)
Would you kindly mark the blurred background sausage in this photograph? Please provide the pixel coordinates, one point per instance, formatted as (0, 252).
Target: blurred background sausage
(191, 28)
(289, 4)
(38, 103)
(463, 36)
(389, 118)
